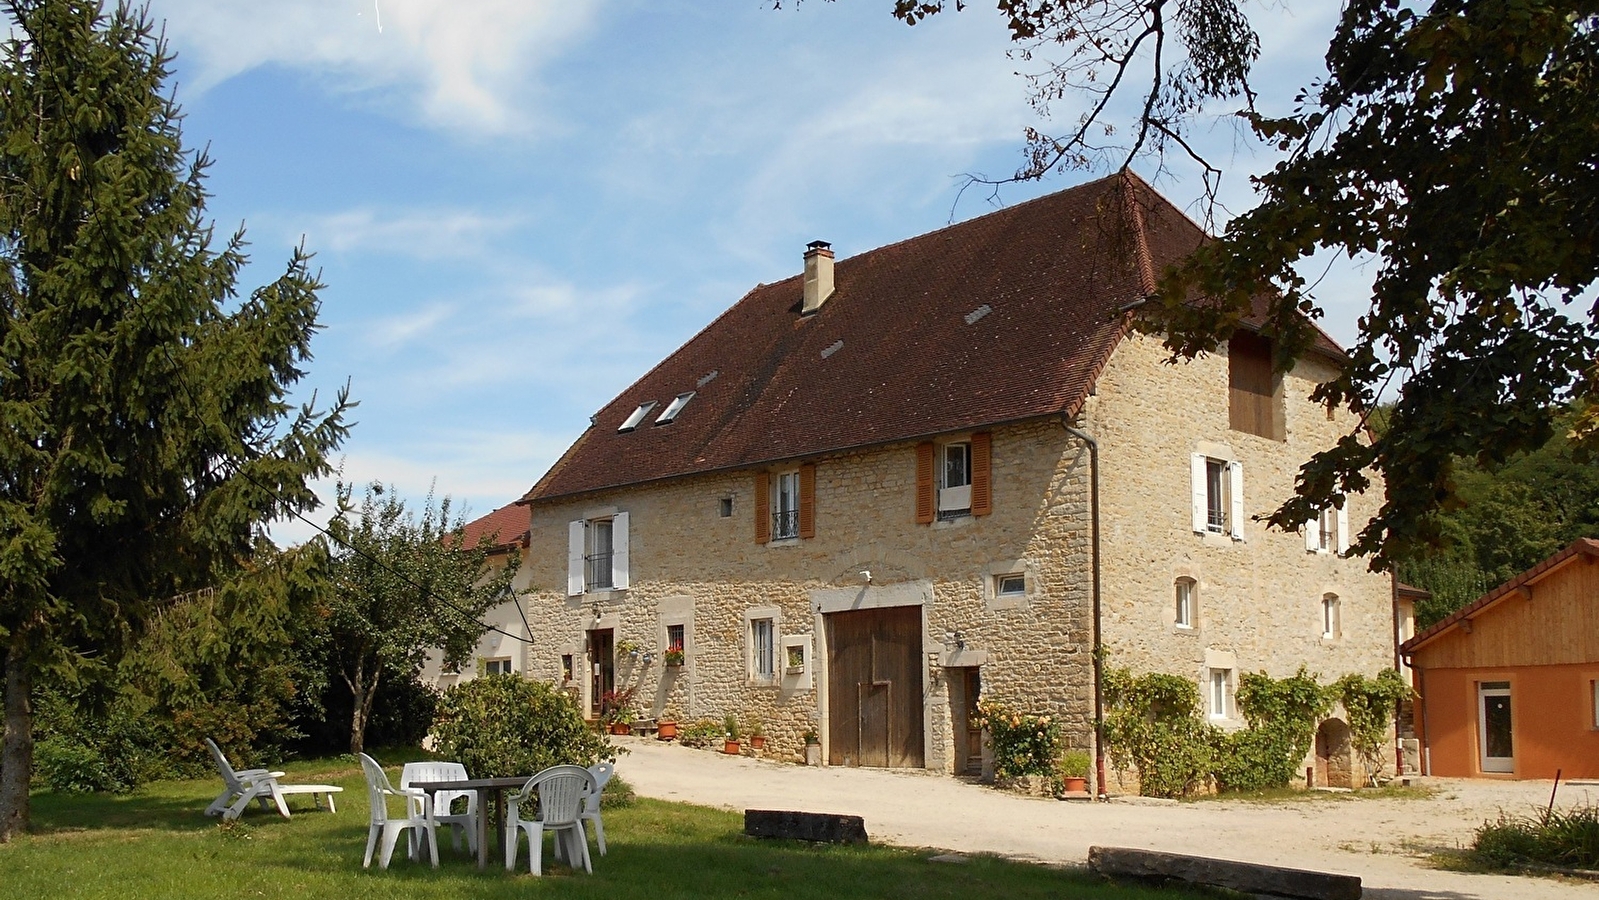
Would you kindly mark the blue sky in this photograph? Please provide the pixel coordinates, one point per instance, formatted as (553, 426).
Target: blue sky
(519, 206)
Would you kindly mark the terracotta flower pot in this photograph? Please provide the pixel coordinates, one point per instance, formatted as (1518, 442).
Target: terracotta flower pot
(758, 741)
(666, 731)
(1076, 785)
(731, 748)
(620, 728)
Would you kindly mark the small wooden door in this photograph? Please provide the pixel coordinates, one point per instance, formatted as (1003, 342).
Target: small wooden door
(602, 667)
(875, 687)
(965, 689)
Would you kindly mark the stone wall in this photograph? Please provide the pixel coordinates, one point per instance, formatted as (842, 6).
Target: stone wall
(689, 565)
(1259, 599)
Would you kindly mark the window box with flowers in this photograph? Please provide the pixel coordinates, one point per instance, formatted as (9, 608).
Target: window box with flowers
(673, 659)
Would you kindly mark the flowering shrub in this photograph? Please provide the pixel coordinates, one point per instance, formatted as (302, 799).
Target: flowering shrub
(1023, 744)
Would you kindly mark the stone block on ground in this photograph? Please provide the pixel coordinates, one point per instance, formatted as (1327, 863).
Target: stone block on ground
(1248, 878)
(824, 828)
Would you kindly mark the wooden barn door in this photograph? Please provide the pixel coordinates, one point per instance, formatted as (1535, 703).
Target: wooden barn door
(874, 687)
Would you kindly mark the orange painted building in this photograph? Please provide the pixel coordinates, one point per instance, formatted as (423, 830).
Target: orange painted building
(1509, 685)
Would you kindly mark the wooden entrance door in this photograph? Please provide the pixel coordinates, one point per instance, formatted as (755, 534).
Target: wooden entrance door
(602, 667)
(874, 687)
(965, 689)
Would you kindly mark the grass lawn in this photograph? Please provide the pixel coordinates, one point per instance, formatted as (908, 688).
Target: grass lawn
(156, 843)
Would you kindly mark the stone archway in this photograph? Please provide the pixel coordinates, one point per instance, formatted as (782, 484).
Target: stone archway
(1335, 755)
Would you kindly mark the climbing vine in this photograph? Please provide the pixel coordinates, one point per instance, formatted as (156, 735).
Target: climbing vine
(1282, 716)
(1154, 723)
(1370, 704)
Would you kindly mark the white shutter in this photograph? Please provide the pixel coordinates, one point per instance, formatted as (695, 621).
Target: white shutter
(574, 557)
(619, 551)
(1343, 528)
(1197, 473)
(1313, 535)
(1236, 470)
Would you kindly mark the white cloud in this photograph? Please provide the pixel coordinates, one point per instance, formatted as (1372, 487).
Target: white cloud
(422, 234)
(462, 65)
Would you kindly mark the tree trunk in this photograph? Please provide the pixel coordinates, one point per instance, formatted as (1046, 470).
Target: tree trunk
(362, 695)
(16, 753)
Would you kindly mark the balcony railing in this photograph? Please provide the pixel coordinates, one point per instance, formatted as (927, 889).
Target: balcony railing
(785, 524)
(599, 571)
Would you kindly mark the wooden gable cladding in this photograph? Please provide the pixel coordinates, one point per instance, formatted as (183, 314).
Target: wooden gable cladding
(1548, 616)
(925, 492)
(807, 500)
(982, 473)
(763, 508)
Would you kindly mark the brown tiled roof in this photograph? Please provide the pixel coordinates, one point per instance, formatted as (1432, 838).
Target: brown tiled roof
(505, 526)
(903, 347)
(1584, 546)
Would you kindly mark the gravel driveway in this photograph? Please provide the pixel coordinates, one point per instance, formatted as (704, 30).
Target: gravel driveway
(1381, 840)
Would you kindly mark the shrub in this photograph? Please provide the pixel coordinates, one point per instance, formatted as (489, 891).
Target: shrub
(704, 733)
(1023, 744)
(1370, 703)
(1556, 837)
(82, 748)
(617, 794)
(502, 725)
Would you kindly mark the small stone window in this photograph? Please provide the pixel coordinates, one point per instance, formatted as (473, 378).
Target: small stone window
(1185, 604)
(1014, 585)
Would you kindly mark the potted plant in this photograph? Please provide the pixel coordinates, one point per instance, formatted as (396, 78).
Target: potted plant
(1074, 771)
(666, 725)
(757, 734)
(813, 748)
(730, 727)
(796, 660)
(674, 658)
(616, 710)
(628, 648)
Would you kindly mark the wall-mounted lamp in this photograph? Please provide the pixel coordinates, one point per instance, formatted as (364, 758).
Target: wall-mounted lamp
(956, 638)
(867, 574)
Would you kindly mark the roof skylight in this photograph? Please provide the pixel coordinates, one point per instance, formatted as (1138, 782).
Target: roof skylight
(638, 415)
(675, 407)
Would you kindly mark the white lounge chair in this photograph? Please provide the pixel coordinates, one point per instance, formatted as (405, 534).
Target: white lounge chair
(418, 815)
(602, 773)
(560, 791)
(444, 800)
(239, 787)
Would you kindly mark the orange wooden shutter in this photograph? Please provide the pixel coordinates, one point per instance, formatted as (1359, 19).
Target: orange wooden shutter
(982, 493)
(763, 507)
(924, 482)
(807, 498)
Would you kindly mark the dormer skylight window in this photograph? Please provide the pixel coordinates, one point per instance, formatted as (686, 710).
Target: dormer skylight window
(638, 415)
(675, 407)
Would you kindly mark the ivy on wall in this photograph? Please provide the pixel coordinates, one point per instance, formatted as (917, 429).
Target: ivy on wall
(1154, 723)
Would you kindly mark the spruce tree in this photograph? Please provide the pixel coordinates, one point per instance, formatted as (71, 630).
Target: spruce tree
(145, 431)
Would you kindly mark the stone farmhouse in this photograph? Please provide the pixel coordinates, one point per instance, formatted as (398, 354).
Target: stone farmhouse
(869, 493)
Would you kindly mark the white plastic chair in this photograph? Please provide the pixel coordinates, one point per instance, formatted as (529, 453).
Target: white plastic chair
(602, 773)
(560, 791)
(378, 792)
(240, 786)
(444, 800)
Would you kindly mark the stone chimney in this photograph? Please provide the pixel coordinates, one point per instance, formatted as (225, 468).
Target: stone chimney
(818, 276)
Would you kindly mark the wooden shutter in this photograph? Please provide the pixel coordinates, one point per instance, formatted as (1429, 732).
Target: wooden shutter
(1313, 535)
(574, 558)
(1201, 498)
(982, 491)
(924, 483)
(1343, 528)
(1236, 471)
(763, 508)
(807, 501)
(619, 578)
